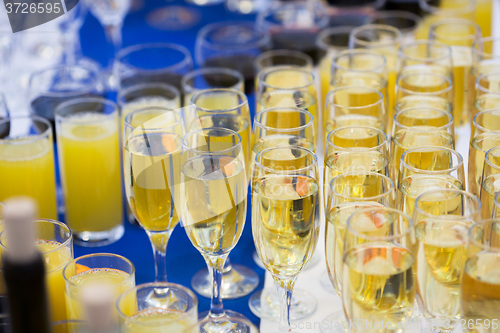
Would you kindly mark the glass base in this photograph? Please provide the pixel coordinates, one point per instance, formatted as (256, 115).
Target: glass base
(265, 304)
(237, 282)
(313, 262)
(98, 238)
(325, 282)
(335, 323)
(173, 18)
(224, 324)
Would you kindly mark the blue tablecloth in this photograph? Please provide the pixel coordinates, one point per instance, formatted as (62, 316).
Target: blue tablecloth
(183, 260)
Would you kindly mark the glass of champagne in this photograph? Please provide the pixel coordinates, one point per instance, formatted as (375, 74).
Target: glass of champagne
(485, 59)
(285, 217)
(156, 307)
(147, 95)
(384, 39)
(436, 10)
(231, 44)
(426, 56)
(285, 86)
(89, 160)
(330, 43)
(479, 145)
(152, 62)
(460, 35)
(418, 127)
(487, 92)
(275, 58)
(424, 89)
(442, 218)
(27, 162)
(111, 270)
(50, 87)
(55, 242)
(406, 22)
(432, 160)
(378, 273)
(354, 105)
(210, 78)
(485, 121)
(489, 182)
(151, 166)
(214, 201)
(480, 287)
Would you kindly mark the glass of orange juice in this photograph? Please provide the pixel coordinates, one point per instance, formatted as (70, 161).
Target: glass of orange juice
(55, 243)
(89, 160)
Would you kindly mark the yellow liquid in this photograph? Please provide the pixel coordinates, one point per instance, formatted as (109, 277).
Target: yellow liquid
(27, 168)
(325, 68)
(420, 101)
(159, 320)
(481, 292)
(90, 172)
(478, 147)
(484, 12)
(153, 185)
(118, 280)
(214, 203)
(56, 257)
(285, 217)
(489, 187)
(462, 62)
(378, 284)
(392, 79)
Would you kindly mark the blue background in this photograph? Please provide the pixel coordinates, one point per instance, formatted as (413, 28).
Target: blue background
(183, 260)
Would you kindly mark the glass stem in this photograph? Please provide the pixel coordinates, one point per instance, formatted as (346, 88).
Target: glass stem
(114, 36)
(215, 267)
(159, 241)
(69, 52)
(227, 266)
(285, 294)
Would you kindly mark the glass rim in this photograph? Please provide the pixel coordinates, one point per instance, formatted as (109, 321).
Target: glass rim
(313, 165)
(474, 35)
(333, 31)
(241, 95)
(476, 124)
(469, 7)
(283, 52)
(52, 222)
(28, 138)
(96, 255)
(432, 148)
(462, 193)
(309, 74)
(449, 124)
(237, 145)
(376, 27)
(481, 42)
(399, 213)
(87, 87)
(310, 122)
(387, 181)
(377, 147)
(488, 160)
(480, 224)
(83, 100)
(331, 94)
(136, 87)
(446, 90)
(128, 117)
(201, 37)
(360, 52)
(155, 285)
(210, 70)
(123, 53)
(429, 43)
(385, 14)
(478, 86)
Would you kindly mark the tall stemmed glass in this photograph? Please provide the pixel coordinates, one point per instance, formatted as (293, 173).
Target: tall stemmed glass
(151, 166)
(285, 217)
(213, 195)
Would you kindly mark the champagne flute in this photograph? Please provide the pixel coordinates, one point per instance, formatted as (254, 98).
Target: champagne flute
(151, 166)
(426, 56)
(480, 143)
(213, 195)
(485, 121)
(480, 287)
(275, 58)
(442, 218)
(378, 274)
(285, 238)
(487, 93)
(489, 183)
(354, 105)
(485, 59)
